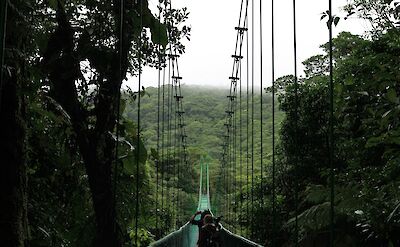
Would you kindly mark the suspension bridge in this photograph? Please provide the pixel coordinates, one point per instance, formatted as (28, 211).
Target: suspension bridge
(239, 115)
(171, 125)
(187, 235)
(86, 160)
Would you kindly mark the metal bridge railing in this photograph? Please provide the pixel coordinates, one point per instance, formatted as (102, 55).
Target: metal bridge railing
(186, 236)
(232, 240)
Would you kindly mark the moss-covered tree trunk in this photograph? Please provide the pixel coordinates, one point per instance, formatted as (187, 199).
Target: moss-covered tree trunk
(13, 178)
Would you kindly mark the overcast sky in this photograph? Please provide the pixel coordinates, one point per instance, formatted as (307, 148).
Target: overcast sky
(208, 61)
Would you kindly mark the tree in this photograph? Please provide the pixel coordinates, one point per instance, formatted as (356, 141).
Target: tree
(84, 40)
(382, 14)
(366, 144)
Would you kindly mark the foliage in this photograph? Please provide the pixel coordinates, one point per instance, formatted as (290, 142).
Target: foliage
(71, 87)
(366, 144)
(382, 14)
(145, 238)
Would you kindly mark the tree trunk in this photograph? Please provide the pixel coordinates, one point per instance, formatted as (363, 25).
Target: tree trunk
(98, 162)
(13, 190)
(61, 61)
(13, 177)
(95, 146)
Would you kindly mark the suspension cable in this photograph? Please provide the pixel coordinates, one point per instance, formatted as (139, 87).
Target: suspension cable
(247, 127)
(176, 160)
(3, 28)
(296, 180)
(241, 29)
(173, 119)
(169, 116)
(138, 127)
(240, 147)
(229, 146)
(273, 124)
(174, 107)
(163, 146)
(261, 109)
(179, 111)
(228, 168)
(178, 127)
(158, 116)
(235, 155)
(179, 156)
(117, 129)
(331, 118)
(167, 172)
(252, 117)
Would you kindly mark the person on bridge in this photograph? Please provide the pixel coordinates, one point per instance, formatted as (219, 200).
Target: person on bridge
(208, 229)
(199, 222)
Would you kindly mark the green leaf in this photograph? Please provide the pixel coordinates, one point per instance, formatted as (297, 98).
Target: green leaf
(154, 154)
(315, 217)
(374, 141)
(349, 81)
(386, 113)
(53, 4)
(338, 89)
(129, 165)
(364, 93)
(159, 33)
(158, 30)
(391, 95)
(316, 194)
(336, 20)
(131, 161)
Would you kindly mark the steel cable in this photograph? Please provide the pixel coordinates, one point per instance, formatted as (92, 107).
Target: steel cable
(252, 118)
(117, 129)
(3, 28)
(138, 127)
(273, 123)
(331, 119)
(296, 139)
(261, 110)
(158, 118)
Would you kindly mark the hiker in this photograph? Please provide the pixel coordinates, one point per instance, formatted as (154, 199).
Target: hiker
(208, 229)
(200, 222)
